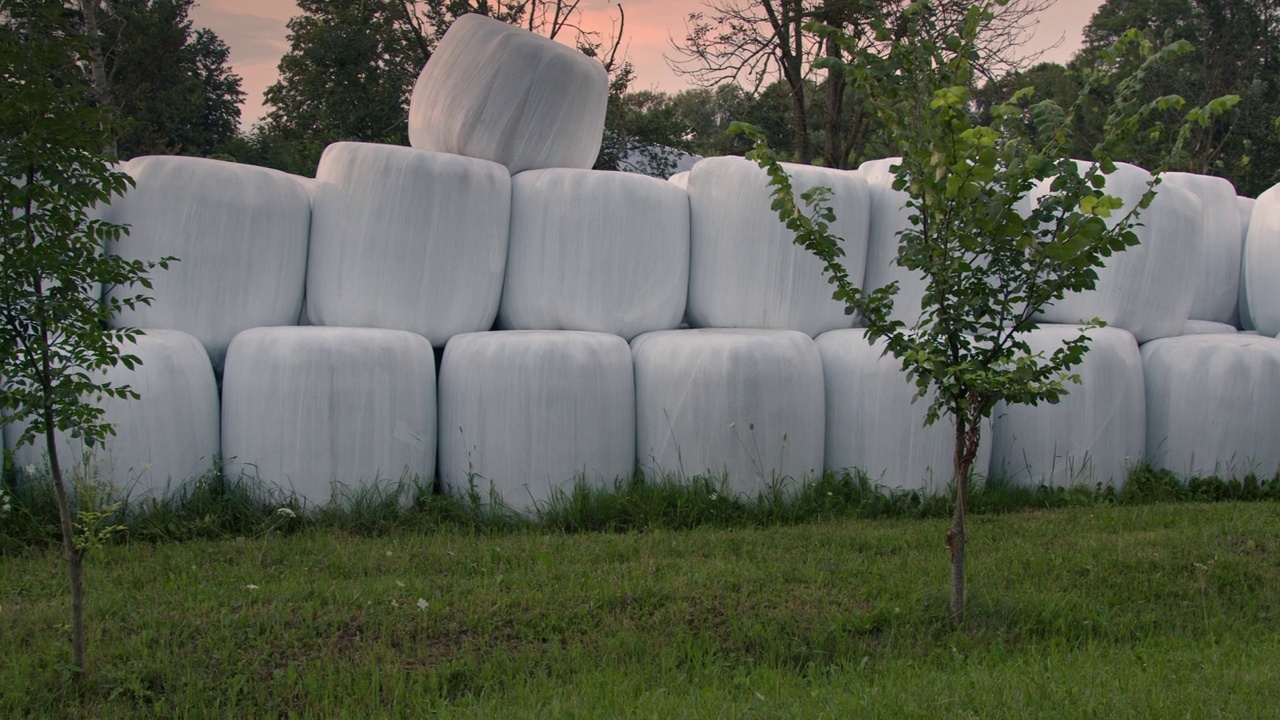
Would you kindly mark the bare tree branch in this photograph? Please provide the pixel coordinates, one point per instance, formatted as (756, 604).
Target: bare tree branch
(757, 42)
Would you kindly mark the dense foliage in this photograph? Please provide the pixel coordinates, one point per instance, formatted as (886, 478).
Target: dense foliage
(347, 76)
(1236, 51)
(172, 84)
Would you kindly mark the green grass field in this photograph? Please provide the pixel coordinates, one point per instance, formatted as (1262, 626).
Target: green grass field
(1097, 610)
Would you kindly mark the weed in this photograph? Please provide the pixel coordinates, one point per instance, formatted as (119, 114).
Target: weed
(216, 506)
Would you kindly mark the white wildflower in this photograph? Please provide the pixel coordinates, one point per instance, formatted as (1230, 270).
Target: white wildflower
(422, 604)
(31, 469)
(286, 512)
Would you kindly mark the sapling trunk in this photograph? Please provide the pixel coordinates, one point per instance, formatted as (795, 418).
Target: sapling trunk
(75, 555)
(968, 434)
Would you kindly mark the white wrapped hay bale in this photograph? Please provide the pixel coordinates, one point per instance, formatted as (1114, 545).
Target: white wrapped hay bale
(741, 405)
(1092, 435)
(1261, 265)
(495, 91)
(598, 251)
(1218, 289)
(1213, 405)
(407, 239)
(1206, 327)
(1146, 289)
(745, 270)
(239, 233)
(307, 407)
(680, 180)
(164, 437)
(1245, 206)
(524, 413)
(875, 423)
(889, 216)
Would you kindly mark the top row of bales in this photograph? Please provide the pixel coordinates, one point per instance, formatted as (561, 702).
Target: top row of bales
(439, 244)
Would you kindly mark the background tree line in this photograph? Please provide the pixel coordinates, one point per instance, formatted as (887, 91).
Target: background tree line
(168, 85)
(352, 64)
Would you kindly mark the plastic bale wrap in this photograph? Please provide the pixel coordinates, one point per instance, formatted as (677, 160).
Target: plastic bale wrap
(495, 91)
(407, 239)
(1213, 405)
(599, 251)
(1261, 265)
(163, 438)
(745, 406)
(307, 407)
(525, 414)
(1146, 289)
(1217, 293)
(1245, 207)
(239, 233)
(1094, 434)
(875, 423)
(889, 215)
(1206, 327)
(745, 270)
(680, 180)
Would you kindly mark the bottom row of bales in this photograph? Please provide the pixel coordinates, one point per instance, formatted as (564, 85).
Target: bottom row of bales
(521, 413)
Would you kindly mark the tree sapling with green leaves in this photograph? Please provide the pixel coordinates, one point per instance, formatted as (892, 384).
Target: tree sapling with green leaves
(54, 334)
(991, 256)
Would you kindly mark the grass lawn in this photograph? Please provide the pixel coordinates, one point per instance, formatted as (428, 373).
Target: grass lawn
(1164, 610)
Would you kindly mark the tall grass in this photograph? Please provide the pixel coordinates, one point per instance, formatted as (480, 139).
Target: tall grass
(217, 506)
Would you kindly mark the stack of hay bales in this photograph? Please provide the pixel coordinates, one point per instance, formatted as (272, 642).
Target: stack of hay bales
(485, 309)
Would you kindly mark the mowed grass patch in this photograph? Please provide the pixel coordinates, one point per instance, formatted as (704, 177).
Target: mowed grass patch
(1104, 611)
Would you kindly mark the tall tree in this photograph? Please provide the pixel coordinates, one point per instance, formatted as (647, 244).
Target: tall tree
(1237, 52)
(643, 130)
(172, 84)
(707, 114)
(756, 42)
(347, 76)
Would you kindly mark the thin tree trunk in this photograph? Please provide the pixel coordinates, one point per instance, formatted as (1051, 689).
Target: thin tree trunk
(800, 125)
(788, 28)
(75, 566)
(968, 430)
(75, 556)
(832, 146)
(98, 66)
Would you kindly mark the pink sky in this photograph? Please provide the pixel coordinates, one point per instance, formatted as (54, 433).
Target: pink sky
(256, 33)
